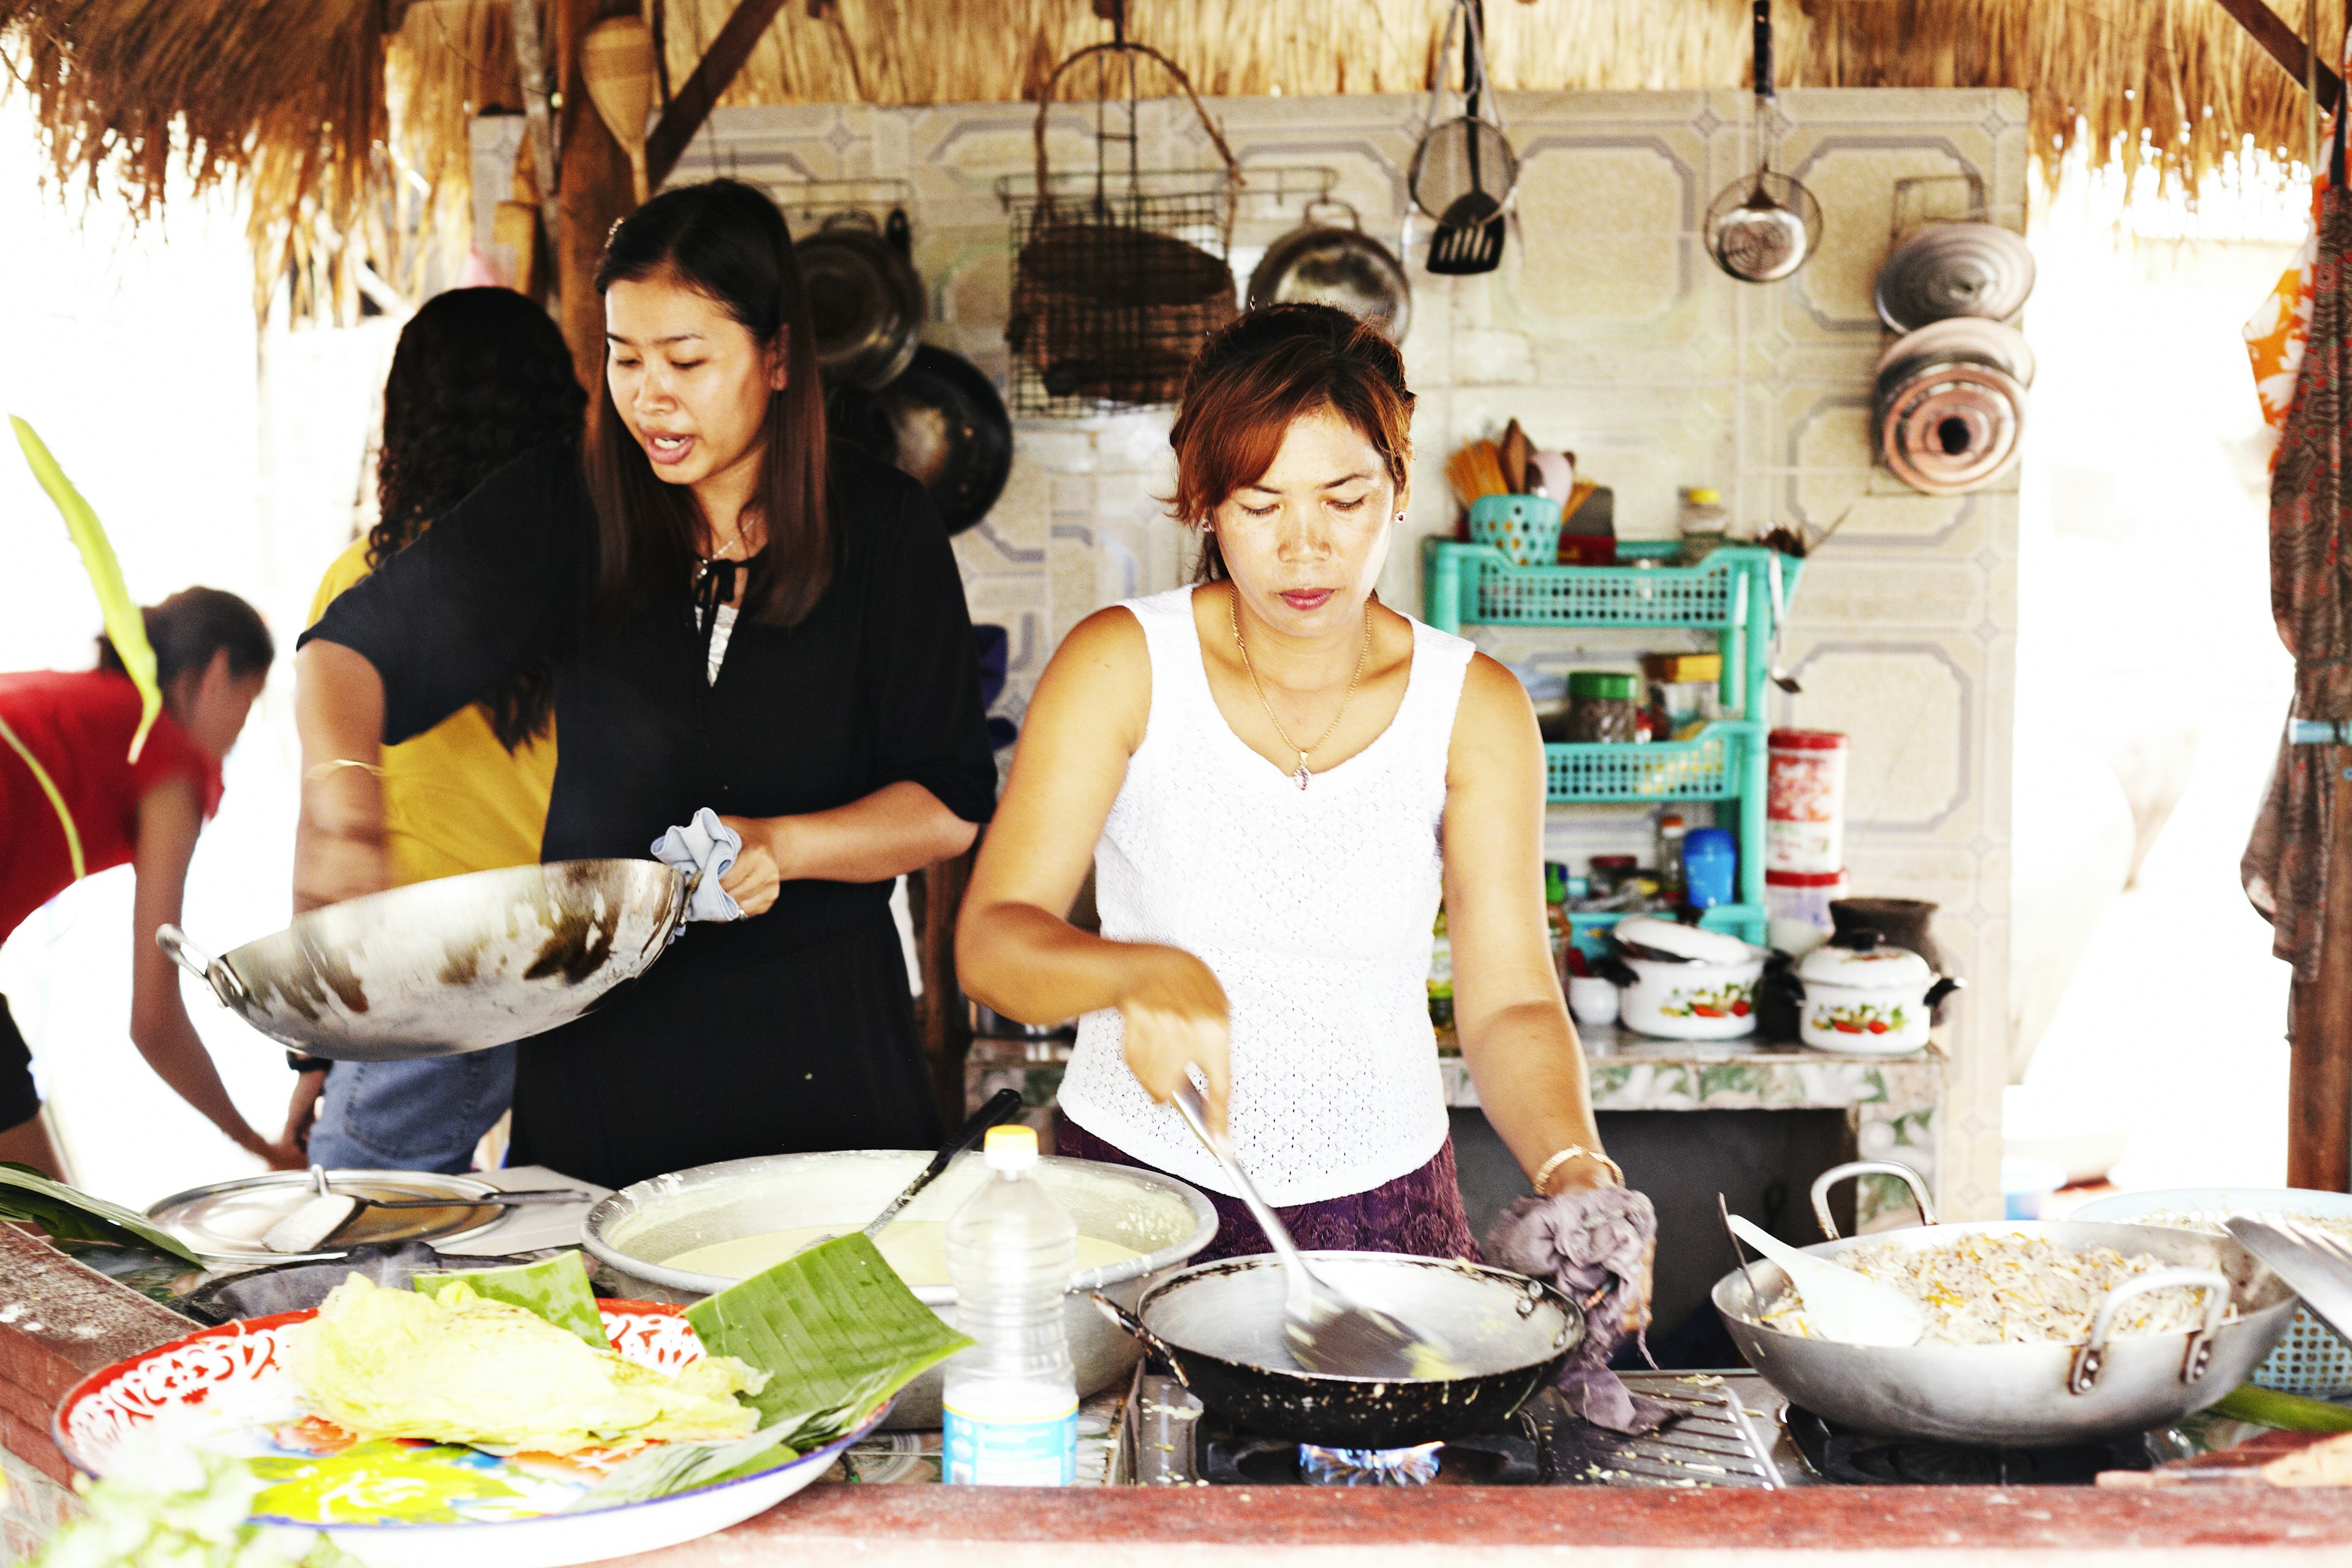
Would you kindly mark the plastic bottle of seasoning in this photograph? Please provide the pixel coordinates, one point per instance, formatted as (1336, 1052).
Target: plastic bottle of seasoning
(1670, 857)
(1556, 914)
(1705, 521)
(1012, 1399)
(1440, 974)
(1602, 705)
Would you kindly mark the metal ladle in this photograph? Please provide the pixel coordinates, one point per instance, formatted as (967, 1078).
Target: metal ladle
(1763, 228)
(1328, 1331)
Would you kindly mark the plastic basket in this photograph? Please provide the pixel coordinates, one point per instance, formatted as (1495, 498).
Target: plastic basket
(2312, 1360)
(1525, 528)
(1477, 585)
(1705, 767)
(1588, 928)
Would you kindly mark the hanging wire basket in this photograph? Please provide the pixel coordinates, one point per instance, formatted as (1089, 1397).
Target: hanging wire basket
(1118, 273)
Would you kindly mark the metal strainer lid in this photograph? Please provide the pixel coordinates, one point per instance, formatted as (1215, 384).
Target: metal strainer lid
(226, 1219)
(1442, 172)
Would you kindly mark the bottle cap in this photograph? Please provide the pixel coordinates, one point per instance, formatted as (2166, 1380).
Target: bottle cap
(1607, 685)
(1013, 1148)
(1703, 495)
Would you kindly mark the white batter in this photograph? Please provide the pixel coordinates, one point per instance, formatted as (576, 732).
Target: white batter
(917, 1249)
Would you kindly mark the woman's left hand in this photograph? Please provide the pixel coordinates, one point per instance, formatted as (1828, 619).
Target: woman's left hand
(753, 881)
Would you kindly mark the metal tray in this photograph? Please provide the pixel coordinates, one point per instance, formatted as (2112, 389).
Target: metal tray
(225, 1220)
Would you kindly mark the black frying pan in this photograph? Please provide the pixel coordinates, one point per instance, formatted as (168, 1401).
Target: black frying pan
(1219, 1327)
(941, 421)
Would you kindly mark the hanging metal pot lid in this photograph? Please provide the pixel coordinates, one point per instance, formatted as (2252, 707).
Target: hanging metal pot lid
(865, 302)
(1978, 338)
(1955, 269)
(1327, 264)
(226, 1220)
(1950, 429)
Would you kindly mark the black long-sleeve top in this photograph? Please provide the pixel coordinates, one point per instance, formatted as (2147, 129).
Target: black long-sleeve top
(877, 685)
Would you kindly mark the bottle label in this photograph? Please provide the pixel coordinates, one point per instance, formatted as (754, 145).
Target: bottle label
(998, 1452)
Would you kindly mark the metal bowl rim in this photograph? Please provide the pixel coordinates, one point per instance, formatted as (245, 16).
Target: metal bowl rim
(611, 1207)
(1546, 1292)
(464, 1187)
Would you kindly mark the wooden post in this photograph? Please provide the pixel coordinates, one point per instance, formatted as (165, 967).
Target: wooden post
(2319, 1069)
(595, 188)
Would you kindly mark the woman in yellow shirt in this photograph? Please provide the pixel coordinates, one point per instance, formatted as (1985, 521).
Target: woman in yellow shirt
(480, 376)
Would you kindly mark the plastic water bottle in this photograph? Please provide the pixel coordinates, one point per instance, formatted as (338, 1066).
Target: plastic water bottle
(1012, 1400)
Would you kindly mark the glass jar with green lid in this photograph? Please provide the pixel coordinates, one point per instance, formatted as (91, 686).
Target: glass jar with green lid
(1602, 705)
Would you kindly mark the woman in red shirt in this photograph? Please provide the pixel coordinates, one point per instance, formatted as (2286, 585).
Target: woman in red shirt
(70, 733)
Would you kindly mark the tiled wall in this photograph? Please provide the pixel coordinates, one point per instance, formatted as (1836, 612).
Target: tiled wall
(1609, 331)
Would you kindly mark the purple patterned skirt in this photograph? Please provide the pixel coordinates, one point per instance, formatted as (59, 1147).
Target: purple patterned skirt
(1419, 1213)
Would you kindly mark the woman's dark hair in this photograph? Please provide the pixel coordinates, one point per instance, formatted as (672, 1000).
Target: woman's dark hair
(190, 628)
(1260, 371)
(727, 242)
(480, 376)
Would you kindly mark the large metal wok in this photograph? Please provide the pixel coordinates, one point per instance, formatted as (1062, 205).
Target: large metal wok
(2022, 1396)
(440, 968)
(1219, 1327)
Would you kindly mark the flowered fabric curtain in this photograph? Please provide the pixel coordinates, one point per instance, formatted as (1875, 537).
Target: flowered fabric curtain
(2285, 865)
(2275, 332)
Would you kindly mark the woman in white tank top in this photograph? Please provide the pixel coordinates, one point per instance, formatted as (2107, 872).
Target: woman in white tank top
(1276, 777)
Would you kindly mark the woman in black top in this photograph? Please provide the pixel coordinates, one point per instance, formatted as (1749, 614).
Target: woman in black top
(738, 617)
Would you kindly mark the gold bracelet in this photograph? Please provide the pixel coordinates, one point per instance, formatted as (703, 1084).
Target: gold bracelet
(314, 774)
(1550, 1167)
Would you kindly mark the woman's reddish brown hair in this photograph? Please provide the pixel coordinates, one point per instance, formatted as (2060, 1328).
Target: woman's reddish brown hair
(1264, 370)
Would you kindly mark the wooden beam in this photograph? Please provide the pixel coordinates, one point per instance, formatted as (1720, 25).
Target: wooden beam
(2282, 44)
(699, 95)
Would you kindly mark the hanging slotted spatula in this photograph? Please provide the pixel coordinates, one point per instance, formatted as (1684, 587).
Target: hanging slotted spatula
(1464, 171)
(1328, 1331)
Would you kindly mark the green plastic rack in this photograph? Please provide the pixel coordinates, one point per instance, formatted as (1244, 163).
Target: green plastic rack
(1729, 594)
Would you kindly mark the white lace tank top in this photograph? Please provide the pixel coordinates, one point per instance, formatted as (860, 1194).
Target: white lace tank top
(1312, 907)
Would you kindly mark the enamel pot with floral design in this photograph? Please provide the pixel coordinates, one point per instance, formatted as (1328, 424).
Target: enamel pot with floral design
(1860, 996)
(1679, 982)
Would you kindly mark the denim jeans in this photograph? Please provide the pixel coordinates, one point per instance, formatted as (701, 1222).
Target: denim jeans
(424, 1115)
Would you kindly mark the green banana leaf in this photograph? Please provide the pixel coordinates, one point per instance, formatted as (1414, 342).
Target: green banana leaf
(836, 1330)
(2282, 1412)
(124, 627)
(28, 1197)
(557, 1289)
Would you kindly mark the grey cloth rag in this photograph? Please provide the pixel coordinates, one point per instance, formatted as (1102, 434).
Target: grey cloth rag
(709, 846)
(1588, 1242)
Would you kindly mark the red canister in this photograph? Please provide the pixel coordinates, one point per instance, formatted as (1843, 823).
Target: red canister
(1804, 809)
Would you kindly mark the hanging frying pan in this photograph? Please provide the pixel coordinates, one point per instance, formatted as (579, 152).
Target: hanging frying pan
(941, 422)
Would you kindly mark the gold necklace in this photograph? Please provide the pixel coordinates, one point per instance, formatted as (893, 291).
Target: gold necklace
(1362, 659)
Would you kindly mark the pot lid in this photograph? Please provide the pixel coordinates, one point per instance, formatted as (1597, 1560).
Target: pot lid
(1977, 337)
(1693, 942)
(1954, 270)
(1873, 967)
(228, 1219)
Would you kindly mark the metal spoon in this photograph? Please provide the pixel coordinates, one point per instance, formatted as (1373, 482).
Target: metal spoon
(1328, 1331)
(1001, 1107)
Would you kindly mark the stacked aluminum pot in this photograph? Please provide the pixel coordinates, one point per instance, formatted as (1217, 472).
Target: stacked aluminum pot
(1949, 401)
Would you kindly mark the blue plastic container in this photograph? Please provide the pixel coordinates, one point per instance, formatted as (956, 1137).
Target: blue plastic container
(1710, 861)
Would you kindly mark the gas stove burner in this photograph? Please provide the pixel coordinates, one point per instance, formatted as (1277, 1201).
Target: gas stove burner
(1857, 1458)
(1322, 1467)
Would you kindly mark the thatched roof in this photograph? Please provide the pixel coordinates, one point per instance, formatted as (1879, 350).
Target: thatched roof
(341, 127)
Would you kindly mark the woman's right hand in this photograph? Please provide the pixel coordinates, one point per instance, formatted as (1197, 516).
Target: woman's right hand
(1176, 1017)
